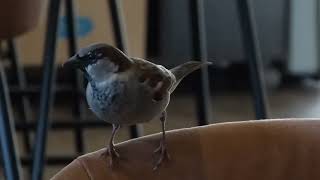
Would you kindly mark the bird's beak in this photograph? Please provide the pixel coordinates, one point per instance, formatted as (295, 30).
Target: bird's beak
(72, 62)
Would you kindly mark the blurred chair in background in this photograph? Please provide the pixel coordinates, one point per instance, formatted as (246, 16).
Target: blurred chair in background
(16, 17)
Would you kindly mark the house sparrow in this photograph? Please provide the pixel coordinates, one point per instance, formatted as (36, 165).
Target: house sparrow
(126, 90)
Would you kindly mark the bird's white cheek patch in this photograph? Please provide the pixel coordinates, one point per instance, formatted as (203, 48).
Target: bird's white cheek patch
(101, 68)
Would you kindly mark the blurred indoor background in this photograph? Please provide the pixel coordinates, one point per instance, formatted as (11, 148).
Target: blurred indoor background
(163, 32)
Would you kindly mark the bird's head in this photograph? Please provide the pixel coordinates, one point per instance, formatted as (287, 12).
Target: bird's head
(97, 53)
(99, 59)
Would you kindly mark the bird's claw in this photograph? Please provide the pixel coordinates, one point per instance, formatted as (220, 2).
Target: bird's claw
(164, 155)
(114, 155)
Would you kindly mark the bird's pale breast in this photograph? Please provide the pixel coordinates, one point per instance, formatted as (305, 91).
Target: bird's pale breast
(124, 102)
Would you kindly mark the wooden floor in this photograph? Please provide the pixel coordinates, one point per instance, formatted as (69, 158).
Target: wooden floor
(300, 102)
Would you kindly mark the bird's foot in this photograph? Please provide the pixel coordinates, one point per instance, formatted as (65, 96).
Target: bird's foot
(112, 153)
(164, 155)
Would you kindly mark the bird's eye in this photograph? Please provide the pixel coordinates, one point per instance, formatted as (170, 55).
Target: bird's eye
(78, 57)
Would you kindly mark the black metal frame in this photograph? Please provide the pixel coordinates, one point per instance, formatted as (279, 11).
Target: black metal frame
(46, 91)
(252, 49)
(24, 107)
(11, 164)
(77, 80)
(63, 124)
(200, 52)
(153, 20)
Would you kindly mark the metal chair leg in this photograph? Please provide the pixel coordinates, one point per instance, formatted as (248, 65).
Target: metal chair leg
(251, 44)
(153, 32)
(200, 52)
(24, 105)
(77, 105)
(121, 43)
(11, 164)
(46, 91)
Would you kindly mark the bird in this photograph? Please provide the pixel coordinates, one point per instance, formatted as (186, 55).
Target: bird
(125, 90)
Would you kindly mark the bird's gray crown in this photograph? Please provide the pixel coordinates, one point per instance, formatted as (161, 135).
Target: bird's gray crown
(94, 52)
(100, 51)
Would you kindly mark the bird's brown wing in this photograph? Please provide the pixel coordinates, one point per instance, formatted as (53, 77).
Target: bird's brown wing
(155, 76)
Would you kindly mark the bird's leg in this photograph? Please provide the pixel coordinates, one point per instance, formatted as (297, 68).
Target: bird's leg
(162, 149)
(110, 150)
